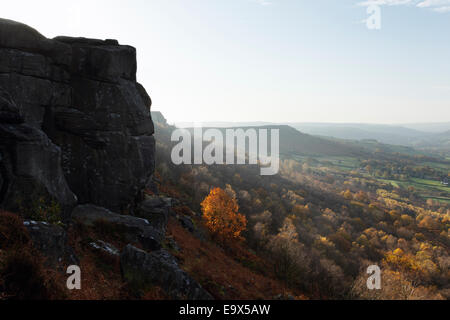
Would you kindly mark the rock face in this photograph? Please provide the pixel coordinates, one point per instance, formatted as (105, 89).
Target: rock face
(30, 164)
(75, 126)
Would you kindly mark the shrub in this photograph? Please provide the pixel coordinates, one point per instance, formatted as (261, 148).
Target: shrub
(41, 209)
(22, 275)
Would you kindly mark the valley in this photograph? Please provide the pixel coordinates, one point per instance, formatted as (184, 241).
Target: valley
(336, 207)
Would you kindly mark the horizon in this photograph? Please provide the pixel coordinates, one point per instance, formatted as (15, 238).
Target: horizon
(313, 122)
(220, 123)
(277, 60)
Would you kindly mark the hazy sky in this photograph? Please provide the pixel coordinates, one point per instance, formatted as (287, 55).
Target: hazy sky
(272, 60)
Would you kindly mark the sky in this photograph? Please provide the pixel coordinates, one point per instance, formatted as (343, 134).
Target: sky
(272, 60)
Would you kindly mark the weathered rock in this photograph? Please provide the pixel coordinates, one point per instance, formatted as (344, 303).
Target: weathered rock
(101, 60)
(156, 210)
(135, 230)
(160, 268)
(16, 35)
(9, 111)
(105, 247)
(107, 141)
(75, 103)
(51, 241)
(171, 244)
(30, 170)
(187, 223)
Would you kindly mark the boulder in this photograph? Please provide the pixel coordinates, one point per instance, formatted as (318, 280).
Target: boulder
(105, 247)
(161, 269)
(133, 229)
(51, 241)
(156, 210)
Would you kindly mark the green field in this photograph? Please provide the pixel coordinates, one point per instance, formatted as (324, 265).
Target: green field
(444, 200)
(430, 183)
(437, 165)
(427, 189)
(419, 184)
(345, 163)
(395, 183)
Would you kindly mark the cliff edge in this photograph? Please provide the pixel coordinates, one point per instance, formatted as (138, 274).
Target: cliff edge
(75, 126)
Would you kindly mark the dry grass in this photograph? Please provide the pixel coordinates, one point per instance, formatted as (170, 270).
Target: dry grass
(12, 231)
(235, 274)
(23, 275)
(101, 277)
(221, 273)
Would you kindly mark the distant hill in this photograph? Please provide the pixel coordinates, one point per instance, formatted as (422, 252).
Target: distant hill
(293, 141)
(429, 127)
(384, 133)
(224, 124)
(438, 142)
(390, 138)
(445, 134)
(434, 137)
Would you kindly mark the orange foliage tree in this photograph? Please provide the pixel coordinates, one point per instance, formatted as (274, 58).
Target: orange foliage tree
(221, 216)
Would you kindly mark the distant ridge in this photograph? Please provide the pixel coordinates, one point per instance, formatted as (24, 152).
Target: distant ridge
(429, 127)
(434, 135)
(294, 142)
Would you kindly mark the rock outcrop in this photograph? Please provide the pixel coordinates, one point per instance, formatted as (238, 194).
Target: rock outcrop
(76, 138)
(134, 230)
(155, 210)
(160, 268)
(75, 126)
(51, 241)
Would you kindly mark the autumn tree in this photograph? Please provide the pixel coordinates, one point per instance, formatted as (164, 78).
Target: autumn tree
(348, 195)
(221, 216)
(429, 223)
(395, 286)
(290, 260)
